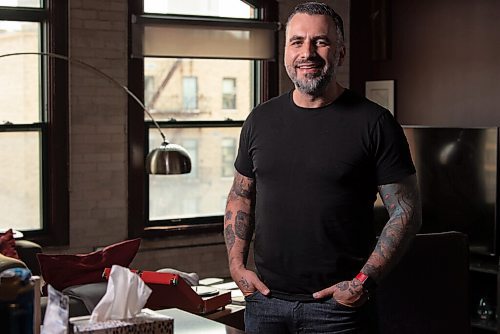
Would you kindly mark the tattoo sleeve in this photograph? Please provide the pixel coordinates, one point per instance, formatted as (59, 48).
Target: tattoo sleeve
(402, 201)
(239, 220)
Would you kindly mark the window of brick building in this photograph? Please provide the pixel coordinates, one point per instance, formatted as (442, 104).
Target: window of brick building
(229, 93)
(189, 94)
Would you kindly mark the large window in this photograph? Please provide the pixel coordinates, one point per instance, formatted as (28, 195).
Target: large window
(20, 98)
(191, 97)
(29, 122)
(200, 94)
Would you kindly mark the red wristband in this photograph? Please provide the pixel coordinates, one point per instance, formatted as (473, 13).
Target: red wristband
(362, 277)
(367, 282)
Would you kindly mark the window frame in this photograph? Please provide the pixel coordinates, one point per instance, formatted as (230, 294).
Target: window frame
(54, 122)
(138, 202)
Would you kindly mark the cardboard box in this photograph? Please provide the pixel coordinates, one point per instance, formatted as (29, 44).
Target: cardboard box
(145, 322)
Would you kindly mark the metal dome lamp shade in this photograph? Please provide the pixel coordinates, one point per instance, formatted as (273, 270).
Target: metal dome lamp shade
(168, 158)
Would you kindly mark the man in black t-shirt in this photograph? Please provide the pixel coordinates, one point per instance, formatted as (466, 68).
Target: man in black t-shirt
(309, 166)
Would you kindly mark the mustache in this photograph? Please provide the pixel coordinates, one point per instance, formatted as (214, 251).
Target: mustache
(316, 60)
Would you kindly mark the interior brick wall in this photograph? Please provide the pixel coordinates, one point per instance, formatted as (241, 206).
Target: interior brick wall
(97, 133)
(98, 141)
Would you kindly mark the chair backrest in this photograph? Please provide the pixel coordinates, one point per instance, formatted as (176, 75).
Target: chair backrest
(428, 291)
(27, 251)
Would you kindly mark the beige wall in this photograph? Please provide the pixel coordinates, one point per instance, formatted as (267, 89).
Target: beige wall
(98, 144)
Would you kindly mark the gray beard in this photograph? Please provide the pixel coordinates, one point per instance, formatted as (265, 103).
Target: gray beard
(314, 86)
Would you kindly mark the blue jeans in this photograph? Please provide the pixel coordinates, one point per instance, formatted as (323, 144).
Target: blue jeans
(268, 315)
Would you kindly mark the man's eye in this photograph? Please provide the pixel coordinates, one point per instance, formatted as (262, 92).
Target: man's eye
(296, 43)
(321, 42)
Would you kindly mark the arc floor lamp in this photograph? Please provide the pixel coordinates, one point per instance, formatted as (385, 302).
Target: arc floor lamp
(168, 158)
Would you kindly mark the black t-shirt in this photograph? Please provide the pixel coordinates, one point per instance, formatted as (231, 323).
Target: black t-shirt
(316, 173)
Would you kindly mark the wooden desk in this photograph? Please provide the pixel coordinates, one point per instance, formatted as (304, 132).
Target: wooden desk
(232, 315)
(188, 323)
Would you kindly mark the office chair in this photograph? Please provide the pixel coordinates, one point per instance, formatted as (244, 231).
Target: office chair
(428, 290)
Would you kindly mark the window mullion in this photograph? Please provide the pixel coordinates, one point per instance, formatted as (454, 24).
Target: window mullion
(195, 124)
(23, 14)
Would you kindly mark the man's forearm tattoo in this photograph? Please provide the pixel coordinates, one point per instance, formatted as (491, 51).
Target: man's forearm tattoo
(242, 187)
(239, 218)
(243, 225)
(403, 204)
(229, 237)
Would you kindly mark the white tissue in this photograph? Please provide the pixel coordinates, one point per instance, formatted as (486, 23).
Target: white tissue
(190, 278)
(125, 296)
(56, 313)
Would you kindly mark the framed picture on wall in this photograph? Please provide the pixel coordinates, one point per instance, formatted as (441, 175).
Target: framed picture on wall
(381, 92)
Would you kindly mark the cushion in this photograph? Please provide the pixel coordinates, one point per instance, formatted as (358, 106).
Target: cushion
(8, 244)
(62, 271)
(88, 294)
(7, 262)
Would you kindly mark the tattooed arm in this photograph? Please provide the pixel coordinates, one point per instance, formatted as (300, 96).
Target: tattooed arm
(238, 231)
(402, 201)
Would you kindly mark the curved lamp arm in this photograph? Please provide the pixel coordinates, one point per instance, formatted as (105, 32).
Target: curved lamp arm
(169, 158)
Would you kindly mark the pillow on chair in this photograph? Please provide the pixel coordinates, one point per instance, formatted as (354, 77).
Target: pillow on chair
(8, 244)
(62, 271)
(7, 262)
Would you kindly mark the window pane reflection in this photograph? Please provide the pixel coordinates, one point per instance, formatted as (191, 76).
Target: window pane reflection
(219, 8)
(20, 83)
(192, 89)
(20, 180)
(199, 193)
(21, 3)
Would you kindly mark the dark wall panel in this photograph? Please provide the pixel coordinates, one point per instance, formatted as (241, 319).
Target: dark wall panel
(444, 57)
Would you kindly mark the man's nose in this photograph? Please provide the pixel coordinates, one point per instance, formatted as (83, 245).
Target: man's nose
(308, 49)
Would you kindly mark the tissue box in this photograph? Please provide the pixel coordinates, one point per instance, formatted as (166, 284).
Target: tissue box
(145, 322)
